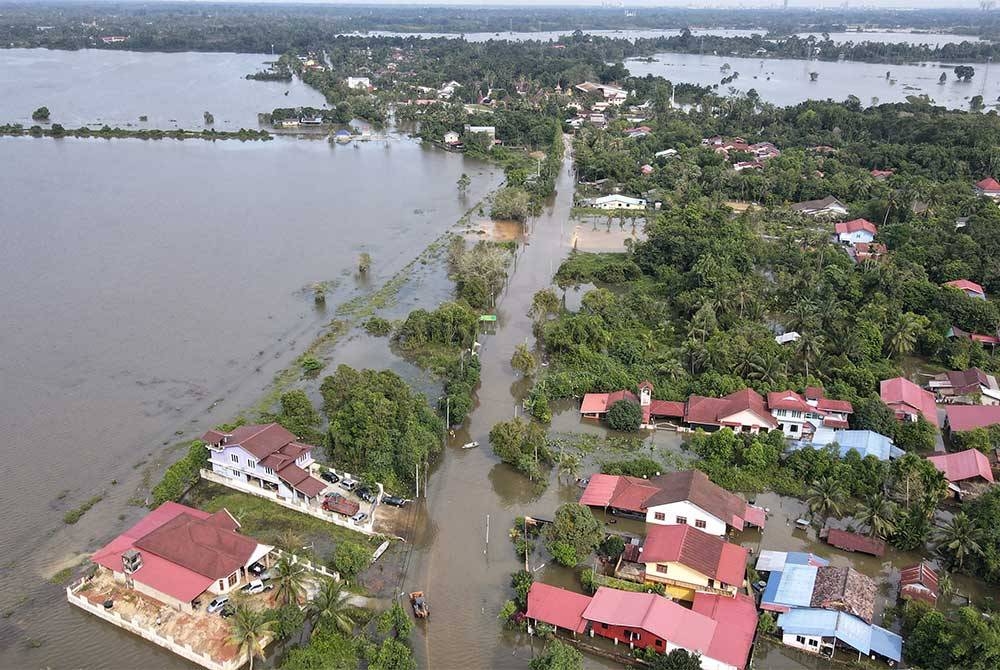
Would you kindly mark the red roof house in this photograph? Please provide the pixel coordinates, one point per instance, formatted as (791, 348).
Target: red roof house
(853, 541)
(963, 465)
(960, 418)
(557, 607)
(854, 226)
(176, 553)
(650, 621)
(919, 582)
(970, 288)
(672, 553)
(743, 410)
(908, 400)
(881, 174)
(988, 187)
(686, 497)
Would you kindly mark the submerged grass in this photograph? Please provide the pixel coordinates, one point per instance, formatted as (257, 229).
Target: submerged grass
(74, 515)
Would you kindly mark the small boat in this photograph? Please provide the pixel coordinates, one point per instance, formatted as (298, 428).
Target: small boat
(801, 524)
(470, 445)
(420, 609)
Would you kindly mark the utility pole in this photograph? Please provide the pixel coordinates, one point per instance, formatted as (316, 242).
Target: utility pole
(485, 549)
(417, 470)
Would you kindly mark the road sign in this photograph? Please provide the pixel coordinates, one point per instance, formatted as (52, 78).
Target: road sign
(488, 317)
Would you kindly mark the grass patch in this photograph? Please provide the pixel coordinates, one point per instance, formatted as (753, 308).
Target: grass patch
(582, 268)
(73, 516)
(271, 523)
(62, 576)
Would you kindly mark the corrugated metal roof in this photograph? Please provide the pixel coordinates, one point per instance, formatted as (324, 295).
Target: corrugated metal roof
(847, 628)
(557, 606)
(795, 585)
(886, 643)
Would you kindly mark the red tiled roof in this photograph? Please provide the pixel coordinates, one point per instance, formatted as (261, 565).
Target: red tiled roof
(599, 403)
(988, 184)
(178, 546)
(969, 417)
(831, 405)
(854, 542)
(985, 339)
(653, 613)
(704, 553)
(736, 624)
(966, 285)
(831, 422)
(854, 225)
(789, 400)
(963, 465)
(695, 486)
(919, 582)
(905, 397)
(715, 411)
(814, 392)
(627, 493)
(882, 173)
(557, 607)
(666, 408)
(274, 447)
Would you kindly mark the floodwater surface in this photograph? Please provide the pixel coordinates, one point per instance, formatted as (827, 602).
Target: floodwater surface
(151, 290)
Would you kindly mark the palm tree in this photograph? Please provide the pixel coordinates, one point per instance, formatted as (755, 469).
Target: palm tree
(289, 540)
(958, 539)
(878, 513)
(569, 464)
(289, 580)
(809, 348)
(826, 497)
(903, 339)
(247, 627)
(331, 605)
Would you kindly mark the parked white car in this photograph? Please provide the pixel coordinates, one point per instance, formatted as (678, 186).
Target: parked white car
(359, 518)
(217, 604)
(256, 586)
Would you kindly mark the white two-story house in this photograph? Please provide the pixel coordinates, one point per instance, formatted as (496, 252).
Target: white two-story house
(800, 417)
(268, 456)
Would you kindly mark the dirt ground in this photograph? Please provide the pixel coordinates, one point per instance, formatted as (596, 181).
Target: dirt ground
(604, 238)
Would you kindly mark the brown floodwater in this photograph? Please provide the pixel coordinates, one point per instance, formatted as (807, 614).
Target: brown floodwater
(152, 289)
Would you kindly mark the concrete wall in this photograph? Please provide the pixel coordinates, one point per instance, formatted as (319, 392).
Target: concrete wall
(185, 651)
(691, 512)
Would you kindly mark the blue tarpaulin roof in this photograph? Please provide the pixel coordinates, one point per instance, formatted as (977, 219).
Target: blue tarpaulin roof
(847, 628)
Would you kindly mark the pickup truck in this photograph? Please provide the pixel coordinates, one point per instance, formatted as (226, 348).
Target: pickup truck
(341, 505)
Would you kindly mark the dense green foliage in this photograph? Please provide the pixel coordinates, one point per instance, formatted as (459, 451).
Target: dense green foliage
(521, 444)
(573, 534)
(379, 428)
(179, 477)
(934, 641)
(625, 416)
(351, 558)
(557, 656)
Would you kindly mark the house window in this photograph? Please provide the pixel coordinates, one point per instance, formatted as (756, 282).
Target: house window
(233, 578)
(660, 516)
(813, 643)
(793, 428)
(251, 463)
(222, 584)
(268, 470)
(659, 643)
(711, 583)
(234, 458)
(604, 626)
(662, 568)
(682, 520)
(800, 639)
(699, 523)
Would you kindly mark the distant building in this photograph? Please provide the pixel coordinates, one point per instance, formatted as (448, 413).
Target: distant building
(488, 131)
(989, 188)
(919, 582)
(882, 175)
(969, 288)
(972, 386)
(688, 561)
(825, 207)
(865, 442)
(363, 83)
(616, 201)
(962, 466)
(908, 401)
(451, 137)
(856, 231)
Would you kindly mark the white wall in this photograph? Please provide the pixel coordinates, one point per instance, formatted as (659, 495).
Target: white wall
(857, 236)
(789, 640)
(690, 511)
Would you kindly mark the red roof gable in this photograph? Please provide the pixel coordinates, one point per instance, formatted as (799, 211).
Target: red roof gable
(855, 225)
(716, 411)
(831, 405)
(666, 408)
(854, 542)
(905, 397)
(627, 493)
(736, 624)
(789, 400)
(989, 184)
(963, 465)
(652, 613)
(969, 417)
(557, 607)
(183, 550)
(966, 285)
(707, 554)
(599, 403)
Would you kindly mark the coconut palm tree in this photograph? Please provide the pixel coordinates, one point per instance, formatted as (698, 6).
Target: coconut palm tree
(569, 464)
(247, 628)
(826, 497)
(958, 539)
(331, 605)
(289, 580)
(903, 338)
(809, 348)
(878, 513)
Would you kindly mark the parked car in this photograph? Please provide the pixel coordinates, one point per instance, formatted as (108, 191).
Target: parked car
(329, 476)
(395, 501)
(359, 518)
(348, 484)
(366, 494)
(256, 586)
(341, 505)
(217, 604)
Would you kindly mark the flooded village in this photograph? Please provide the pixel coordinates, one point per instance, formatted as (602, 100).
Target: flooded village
(502, 354)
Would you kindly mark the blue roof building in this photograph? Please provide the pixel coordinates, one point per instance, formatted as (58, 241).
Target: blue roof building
(865, 442)
(818, 631)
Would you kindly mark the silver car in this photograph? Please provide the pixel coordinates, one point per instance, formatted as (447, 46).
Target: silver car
(217, 604)
(359, 518)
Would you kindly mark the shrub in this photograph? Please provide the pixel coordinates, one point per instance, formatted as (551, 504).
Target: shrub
(311, 364)
(378, 326)
(40, 114)
(350, 559)
(625, 416)
(181, 475)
